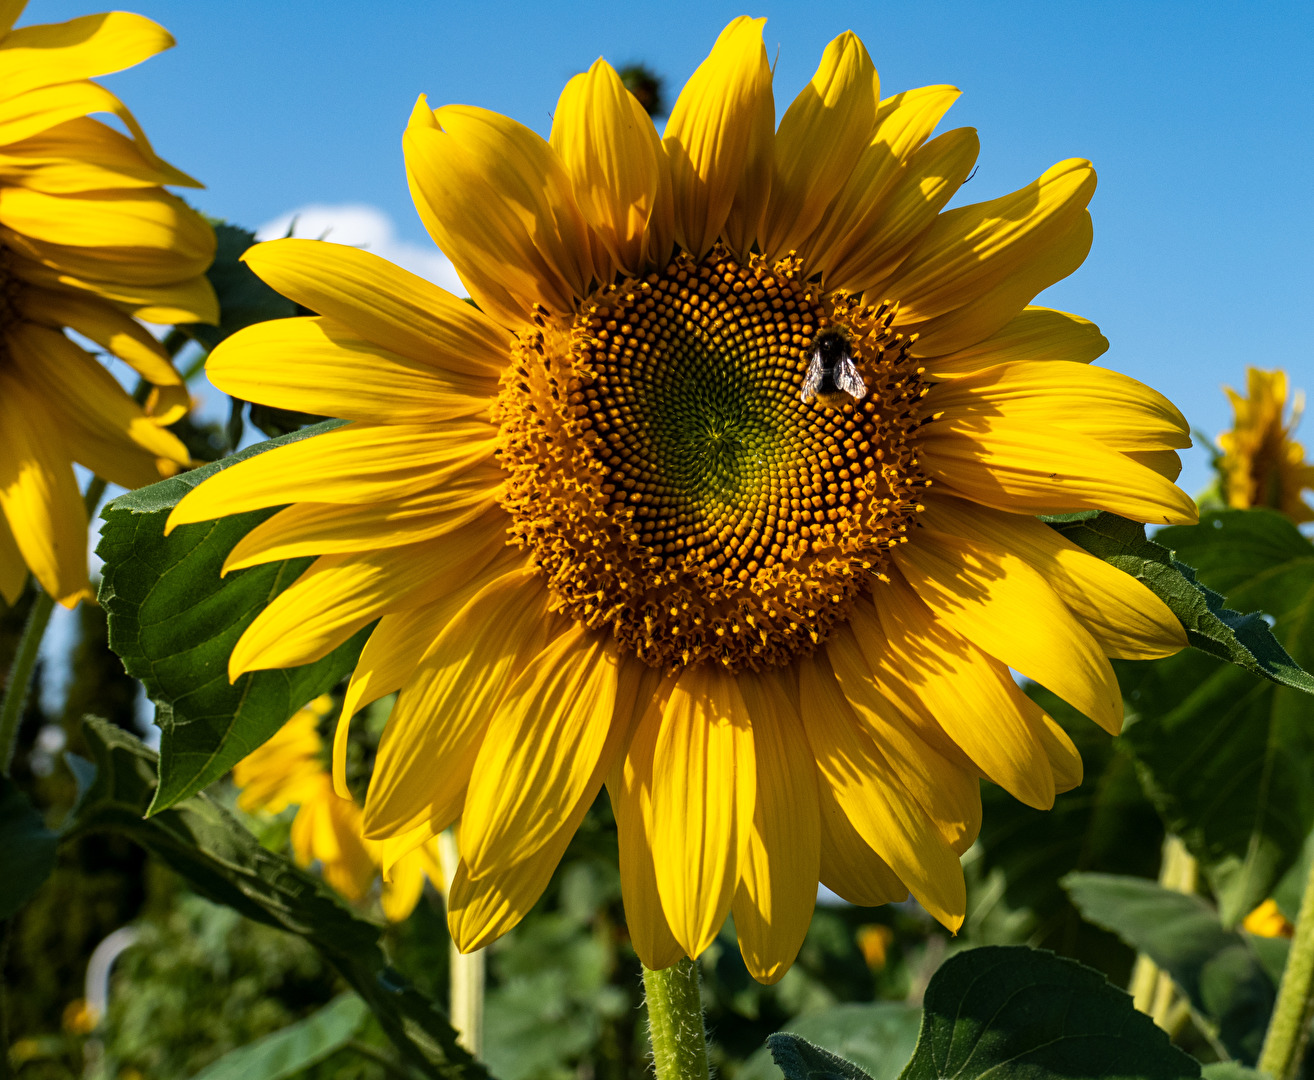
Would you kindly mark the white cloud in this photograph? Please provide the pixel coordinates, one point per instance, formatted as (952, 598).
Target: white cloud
(364, 226)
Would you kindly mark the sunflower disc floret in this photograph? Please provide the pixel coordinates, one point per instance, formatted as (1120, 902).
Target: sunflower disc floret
(673, 486)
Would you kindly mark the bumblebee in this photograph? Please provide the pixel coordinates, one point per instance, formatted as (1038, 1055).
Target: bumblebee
(832, 376)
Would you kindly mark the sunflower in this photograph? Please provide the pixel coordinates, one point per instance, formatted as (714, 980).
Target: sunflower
(288, 770)
(1261, 465)
(606, 540)
(89, 239)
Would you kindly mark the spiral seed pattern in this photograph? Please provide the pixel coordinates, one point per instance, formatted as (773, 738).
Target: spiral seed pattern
(671, 484)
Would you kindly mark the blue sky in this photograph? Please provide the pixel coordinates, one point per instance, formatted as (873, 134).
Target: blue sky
(1198, 117)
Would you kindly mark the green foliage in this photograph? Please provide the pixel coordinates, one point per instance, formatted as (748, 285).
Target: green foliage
(174, 621)
(291, 1050)
(202, 982)
(27, 849)
(1106, 824)
(878, 1037)
(798, 1059)
(1244, 640)
(999, 1011)
(1228, 758)
(1025, 1012)
(1218, 970)
(221, 860)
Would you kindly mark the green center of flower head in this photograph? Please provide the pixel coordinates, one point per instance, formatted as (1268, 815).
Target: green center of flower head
(672, 483)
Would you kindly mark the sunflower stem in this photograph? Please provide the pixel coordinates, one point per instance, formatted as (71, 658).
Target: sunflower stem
(467, 973)
(1288, 1030)
(20, 675)
(675, 1022)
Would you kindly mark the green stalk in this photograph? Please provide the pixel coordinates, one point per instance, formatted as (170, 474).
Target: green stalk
(29, 647)
(675, 1022)
(20, 676)
(1288, 1030)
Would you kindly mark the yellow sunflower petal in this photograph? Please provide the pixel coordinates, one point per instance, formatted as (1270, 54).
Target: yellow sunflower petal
(630, 788)
(10, 10)
(39, 495)
(703, 794)
(190, 301)
(1064, 757)
(486, 907)
(973, 697)
(927, 182)
(439, 720)
(997, 601)
(614, 158)
(849, 866)
(1023, 465)
(821, 137)
(107, 326)
(83, 154)
(993, 309)
(319, 366)
(78, 49)
(13, 570)
(339, 594)
(947, 791)
(495, 197)
(1036, 333)
(354, 464)
(384, 304)
(871, 795)
(720, 141)
(1106, 405)
(903, 123)
(179, 243)
(773, 904)
(543, 745)
(972, 249)
(330, 528)
(1121, 613)
(104, 428)
(394, 650)
(1167, 463)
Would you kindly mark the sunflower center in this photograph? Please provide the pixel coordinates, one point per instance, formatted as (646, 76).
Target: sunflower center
(672, 484)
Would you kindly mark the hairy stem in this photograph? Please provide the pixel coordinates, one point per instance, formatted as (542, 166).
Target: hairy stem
(675, 1022)
(1288, 1030)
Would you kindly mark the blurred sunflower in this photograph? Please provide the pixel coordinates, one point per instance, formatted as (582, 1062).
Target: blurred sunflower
(289, 770)
(89, 239)
(1261, 465)
(607, 539)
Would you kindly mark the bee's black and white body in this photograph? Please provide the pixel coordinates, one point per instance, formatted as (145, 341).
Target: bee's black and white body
(832, 376)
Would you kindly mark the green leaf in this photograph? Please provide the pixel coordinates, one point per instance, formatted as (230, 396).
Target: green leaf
(222, 861)
(1014, 1011)
(1228, 758)
(877, 1037)
(1216, 969)
(798, 1059)
(173, 621)
(1244, 640)
(287, 1052)
(27, 849)
(243, 298)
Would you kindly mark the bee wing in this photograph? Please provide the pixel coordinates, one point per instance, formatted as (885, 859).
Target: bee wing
(812, 380)
(848, 379)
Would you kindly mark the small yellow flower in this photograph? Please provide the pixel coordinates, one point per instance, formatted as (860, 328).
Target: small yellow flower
(288, 770)
(874, 941)
(1267, 920)
(626, 521)
(89, 241)
(1261, 464)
